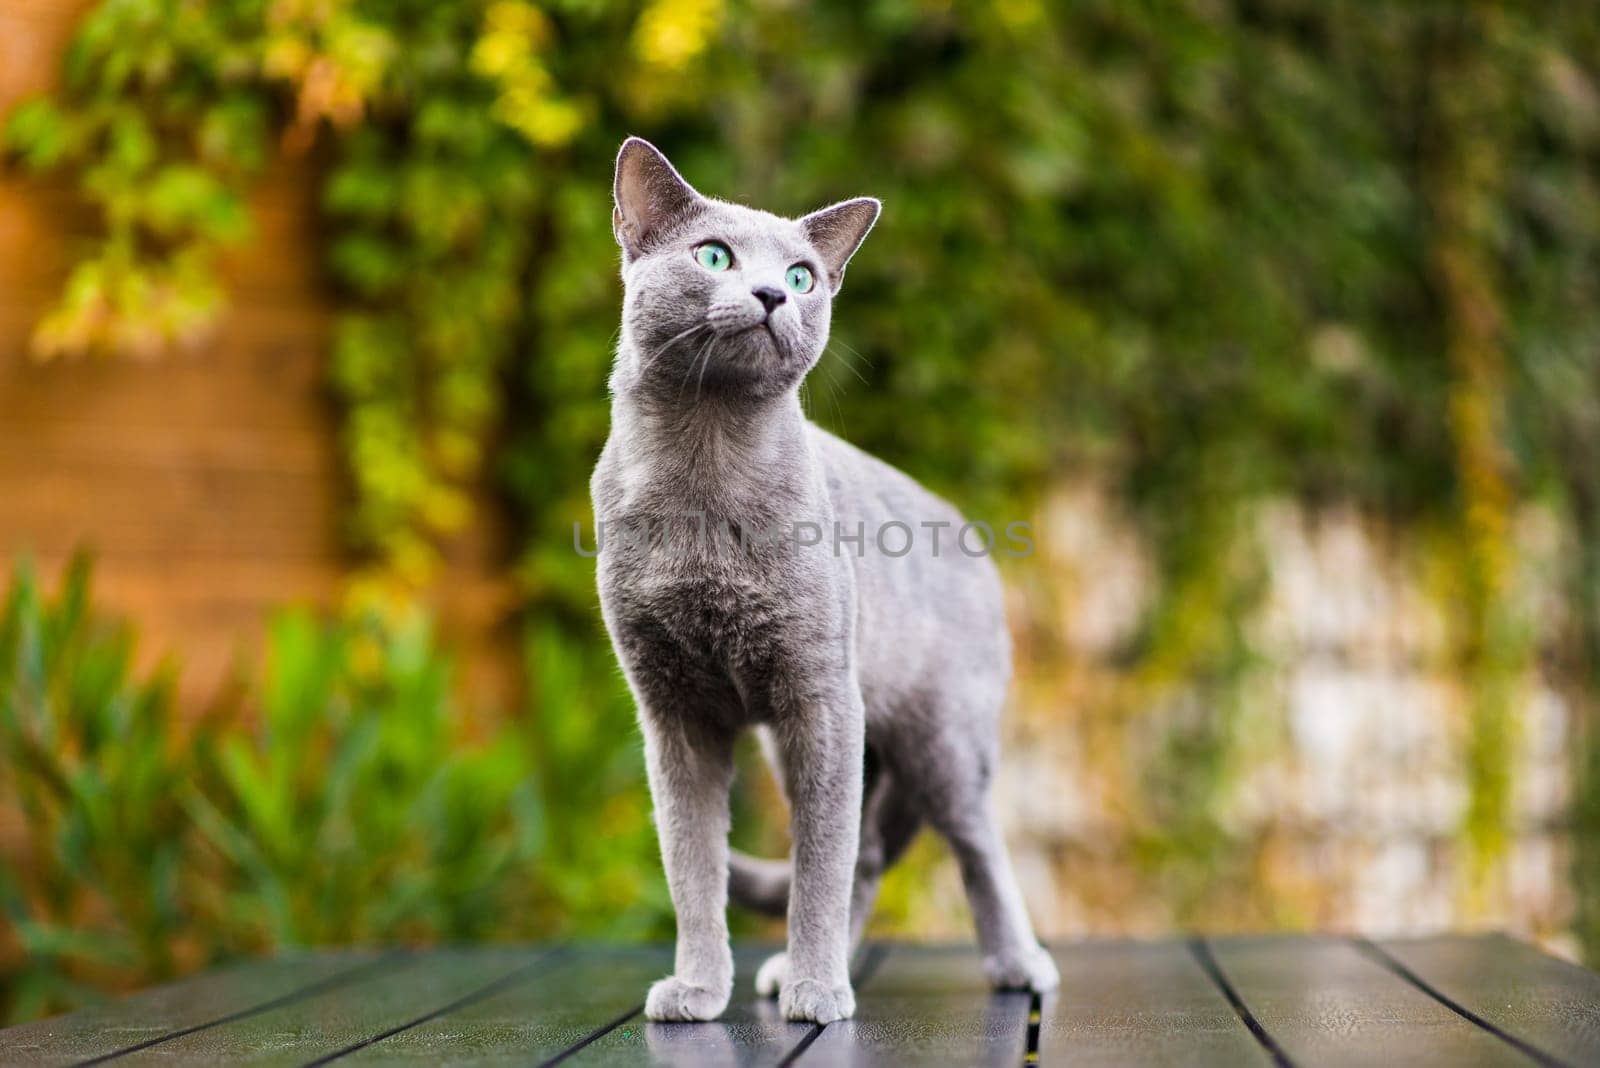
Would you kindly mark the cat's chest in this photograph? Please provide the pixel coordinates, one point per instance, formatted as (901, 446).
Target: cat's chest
(728, 574)
(722, 628)
(738, 610)
(735, 541)
(702, 578)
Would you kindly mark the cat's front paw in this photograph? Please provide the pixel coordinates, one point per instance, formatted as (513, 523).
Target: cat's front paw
(815, 1001)
(773, 973)
(1030, 969)
(673, 999)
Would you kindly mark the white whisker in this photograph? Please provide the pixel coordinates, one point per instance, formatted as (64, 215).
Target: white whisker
(704, 350)
(850, 349)
(701, 380)
(848, 366)
(833, 396)
(671, 341)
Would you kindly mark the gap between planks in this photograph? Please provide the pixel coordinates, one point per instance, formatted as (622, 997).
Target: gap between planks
(1208, 962)
(321, 986)
(1387, 960)
(515, 977)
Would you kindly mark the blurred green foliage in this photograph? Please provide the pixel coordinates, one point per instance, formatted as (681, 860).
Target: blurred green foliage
(92, 776)
(1216, 252)
(337, 799)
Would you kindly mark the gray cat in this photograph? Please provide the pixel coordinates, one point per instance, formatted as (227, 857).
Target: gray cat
(875, 676)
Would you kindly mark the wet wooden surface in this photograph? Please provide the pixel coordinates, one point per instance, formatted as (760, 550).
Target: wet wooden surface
(1232, 1001)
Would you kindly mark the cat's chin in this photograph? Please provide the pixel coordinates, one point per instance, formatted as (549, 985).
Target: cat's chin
(758, 336)
(751, 379)
(755, 355)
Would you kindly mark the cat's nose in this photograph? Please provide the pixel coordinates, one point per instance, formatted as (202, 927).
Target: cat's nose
(769, 296)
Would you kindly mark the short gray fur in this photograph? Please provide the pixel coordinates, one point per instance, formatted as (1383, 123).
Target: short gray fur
(876, 680)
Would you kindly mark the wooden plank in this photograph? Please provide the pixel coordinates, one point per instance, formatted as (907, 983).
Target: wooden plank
(750, 1033)
(1140, 1003)
(271, 380)
(317, 1027)
(1326, 1003)
(1319, 1000)
(927, 1005)
(582, 994)
(1552, 1006)
(220, 449)
(198, 1002)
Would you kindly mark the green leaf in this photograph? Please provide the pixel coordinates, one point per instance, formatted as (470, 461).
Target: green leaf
(39, 133)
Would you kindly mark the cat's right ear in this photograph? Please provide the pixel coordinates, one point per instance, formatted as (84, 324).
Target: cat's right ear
(650, 196)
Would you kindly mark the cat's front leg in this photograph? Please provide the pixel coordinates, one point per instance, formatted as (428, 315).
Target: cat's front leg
(691, 770)
(822, 748)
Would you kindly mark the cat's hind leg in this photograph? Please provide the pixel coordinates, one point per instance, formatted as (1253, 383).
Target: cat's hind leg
(954, 782)
(1012, 956)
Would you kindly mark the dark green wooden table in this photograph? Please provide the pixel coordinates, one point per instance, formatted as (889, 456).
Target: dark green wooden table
(1231, 1001)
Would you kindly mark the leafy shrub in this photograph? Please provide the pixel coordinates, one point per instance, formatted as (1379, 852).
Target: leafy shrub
(352, 813)
(94, 769)
(337, 800)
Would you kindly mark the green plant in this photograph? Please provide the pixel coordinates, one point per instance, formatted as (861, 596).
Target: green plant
(358, 811)
(336, 800)
(355, 813)
(96, 869)
(601, 875)
(162, 142)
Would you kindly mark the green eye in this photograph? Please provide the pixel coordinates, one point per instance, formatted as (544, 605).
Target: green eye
(800, 279)
(713, 256)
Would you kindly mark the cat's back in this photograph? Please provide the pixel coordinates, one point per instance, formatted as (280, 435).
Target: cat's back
(863, 486)
(929, 602)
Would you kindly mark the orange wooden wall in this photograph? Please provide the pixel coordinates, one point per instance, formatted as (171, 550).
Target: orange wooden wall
(206, 482)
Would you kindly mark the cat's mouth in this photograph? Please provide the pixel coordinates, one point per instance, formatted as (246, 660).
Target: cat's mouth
(713, 353)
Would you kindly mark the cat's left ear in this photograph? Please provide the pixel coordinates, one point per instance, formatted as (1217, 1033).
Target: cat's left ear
(650, 196)
(837, 232)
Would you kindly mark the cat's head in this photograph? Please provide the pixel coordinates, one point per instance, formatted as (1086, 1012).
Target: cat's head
(718, 297)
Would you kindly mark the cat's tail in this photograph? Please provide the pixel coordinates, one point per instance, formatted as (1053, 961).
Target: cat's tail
(761, 885)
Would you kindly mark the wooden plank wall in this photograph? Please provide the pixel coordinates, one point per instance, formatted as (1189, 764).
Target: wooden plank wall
(206, 482)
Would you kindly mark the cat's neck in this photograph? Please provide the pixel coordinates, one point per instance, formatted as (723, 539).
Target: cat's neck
(725, 453)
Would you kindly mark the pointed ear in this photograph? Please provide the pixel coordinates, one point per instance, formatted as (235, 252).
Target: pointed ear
(650, 195)
(838, 231)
